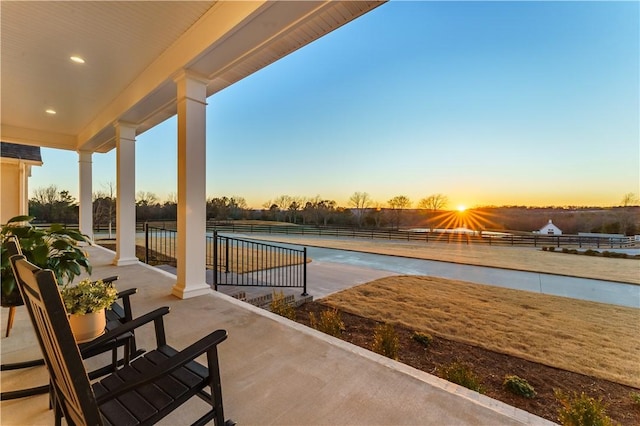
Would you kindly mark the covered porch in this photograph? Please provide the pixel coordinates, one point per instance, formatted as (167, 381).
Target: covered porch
(274, 371)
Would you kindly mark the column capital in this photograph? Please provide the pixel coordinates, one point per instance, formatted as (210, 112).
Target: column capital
(191, 86)
(85, 156)
(184, 74)
(125, 130)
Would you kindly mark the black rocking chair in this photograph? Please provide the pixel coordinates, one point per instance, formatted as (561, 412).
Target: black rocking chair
(117, 314)
(144, 392)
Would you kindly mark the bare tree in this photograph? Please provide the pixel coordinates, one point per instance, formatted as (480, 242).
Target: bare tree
(359, 202)
(283, 202)
(629, 199)
(434, 202)
(52, 205)
(397, 204)
(46, 195)
(172, 198)
(145, 204)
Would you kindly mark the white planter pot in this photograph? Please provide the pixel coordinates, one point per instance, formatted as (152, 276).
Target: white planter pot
(88, 326)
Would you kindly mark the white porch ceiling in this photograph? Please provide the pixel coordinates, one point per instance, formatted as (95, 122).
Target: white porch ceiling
(133, 50)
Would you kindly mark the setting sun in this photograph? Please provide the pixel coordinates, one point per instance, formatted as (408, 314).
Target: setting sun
(461, 208)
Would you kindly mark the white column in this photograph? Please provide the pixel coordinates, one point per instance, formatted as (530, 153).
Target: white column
(125, 194)
(25, 172)
(86, 190)
(191, 247)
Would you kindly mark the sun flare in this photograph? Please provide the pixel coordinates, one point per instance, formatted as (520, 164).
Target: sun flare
(462, 208)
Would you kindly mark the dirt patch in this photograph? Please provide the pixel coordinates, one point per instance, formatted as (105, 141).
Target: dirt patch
(492, 367)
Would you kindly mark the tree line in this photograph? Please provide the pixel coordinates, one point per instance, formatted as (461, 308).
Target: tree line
(53, 205)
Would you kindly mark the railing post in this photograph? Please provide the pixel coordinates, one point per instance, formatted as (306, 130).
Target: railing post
(146, 243)
(215, 260)
(226, 255)
(304, 273)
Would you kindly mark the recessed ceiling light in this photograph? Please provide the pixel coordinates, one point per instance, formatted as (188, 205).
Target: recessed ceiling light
(50, 111)
(77, 59)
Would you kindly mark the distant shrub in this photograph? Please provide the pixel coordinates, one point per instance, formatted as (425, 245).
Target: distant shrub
(461, 374)
(330, 322)
(519, 386)
(565, 250)
(385, 341)
(614, 254)
(581, 410)
(590, 252)
(635, 398)
(279, 306)
(422, 338)
(551, 248)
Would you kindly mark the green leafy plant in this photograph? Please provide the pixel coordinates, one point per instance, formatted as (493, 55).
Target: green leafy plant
(279, 306)
(461, 374)
(330, 322)
(54, 248)
(422, 338)
(88, 296)
(519, 386)
(581, 410)
(385, 341)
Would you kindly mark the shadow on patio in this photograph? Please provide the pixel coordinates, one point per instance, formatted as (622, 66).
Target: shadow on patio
(274, 371)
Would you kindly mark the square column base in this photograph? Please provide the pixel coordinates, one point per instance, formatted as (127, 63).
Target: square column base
(125, 261)
(191, 291)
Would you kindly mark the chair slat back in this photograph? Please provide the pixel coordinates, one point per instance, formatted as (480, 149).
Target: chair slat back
(69, 379)
(13, 246)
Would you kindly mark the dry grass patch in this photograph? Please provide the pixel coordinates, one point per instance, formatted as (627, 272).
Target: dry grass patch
(585, 337)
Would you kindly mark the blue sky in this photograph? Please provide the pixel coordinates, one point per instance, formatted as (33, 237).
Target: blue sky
(489, 103)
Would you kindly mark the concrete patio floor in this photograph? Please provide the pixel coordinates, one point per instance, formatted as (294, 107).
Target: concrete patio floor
(274, 371)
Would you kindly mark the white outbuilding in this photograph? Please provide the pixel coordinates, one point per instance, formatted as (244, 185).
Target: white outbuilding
(549, 229)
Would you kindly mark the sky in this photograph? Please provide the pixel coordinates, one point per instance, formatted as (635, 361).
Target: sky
(488, 103)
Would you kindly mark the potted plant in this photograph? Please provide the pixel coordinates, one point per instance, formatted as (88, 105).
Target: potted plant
(86, 303)
(55, 248)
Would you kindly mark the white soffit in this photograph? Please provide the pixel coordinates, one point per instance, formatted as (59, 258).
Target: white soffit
(133, 49)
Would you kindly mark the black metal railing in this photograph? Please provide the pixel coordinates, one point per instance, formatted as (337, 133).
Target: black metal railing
(235, 261)
(160, 246)
(250, 263)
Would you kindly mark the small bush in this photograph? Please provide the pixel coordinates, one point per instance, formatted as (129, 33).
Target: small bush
(282, 308)
(551, 249)
(423, 339)
(519, 386)
(590, 252)
(635, 398)
(330, 322)
(581, 410)
(385, 341)
(461, 374)
(565, 250)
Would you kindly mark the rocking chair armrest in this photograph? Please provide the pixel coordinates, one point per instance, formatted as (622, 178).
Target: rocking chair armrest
(128, 326)
(126, 293)
(207, 343)
(109, 280)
